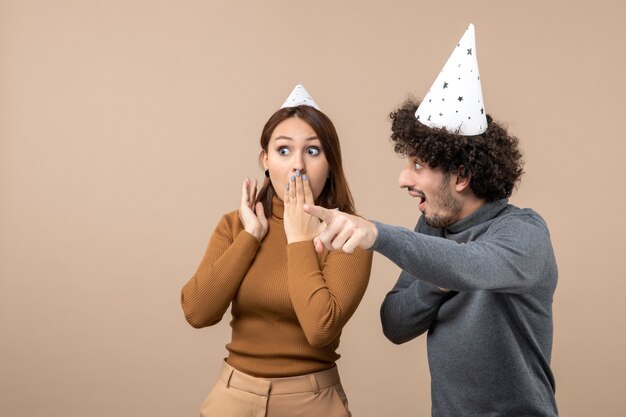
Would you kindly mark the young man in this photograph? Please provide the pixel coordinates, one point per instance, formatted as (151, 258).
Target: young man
(478, 274)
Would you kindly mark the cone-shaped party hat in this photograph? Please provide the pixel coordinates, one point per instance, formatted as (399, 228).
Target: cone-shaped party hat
(455, 100)
(299, 96)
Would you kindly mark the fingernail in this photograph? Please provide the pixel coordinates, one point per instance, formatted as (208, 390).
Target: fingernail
(304, 177)
(293, 178)
(297, 172)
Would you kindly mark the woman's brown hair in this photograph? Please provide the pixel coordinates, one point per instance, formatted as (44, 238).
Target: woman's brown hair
(336, 193)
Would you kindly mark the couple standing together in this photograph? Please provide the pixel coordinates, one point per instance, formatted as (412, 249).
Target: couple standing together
(478, 274)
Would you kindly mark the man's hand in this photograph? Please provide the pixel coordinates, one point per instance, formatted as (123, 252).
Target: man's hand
(343, 231)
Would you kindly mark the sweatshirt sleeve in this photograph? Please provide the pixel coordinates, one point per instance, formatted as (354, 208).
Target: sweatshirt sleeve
(509, 257)
(410, 308)
(207, 295)
(325, 295)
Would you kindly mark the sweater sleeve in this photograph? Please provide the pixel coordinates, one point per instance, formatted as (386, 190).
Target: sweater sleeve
(324, 296)
(207, 295)
(510, 257)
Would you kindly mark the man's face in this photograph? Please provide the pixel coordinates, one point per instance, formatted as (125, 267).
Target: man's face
(437, 195)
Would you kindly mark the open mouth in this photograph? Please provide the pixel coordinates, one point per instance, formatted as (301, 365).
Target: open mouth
(422, 202)
(418, 194)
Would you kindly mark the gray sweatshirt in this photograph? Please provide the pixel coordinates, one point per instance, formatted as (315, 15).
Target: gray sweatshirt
(489, 338)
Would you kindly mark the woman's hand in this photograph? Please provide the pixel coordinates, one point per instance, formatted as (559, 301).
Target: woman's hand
(299, 226)
(252, 217)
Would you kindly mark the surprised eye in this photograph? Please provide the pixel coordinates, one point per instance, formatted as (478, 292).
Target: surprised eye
(283, 150)
(313, 151)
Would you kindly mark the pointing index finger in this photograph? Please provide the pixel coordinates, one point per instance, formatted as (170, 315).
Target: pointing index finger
(321, 213)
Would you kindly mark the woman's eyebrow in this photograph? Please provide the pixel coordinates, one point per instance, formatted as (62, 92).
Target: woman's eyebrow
(290, 138)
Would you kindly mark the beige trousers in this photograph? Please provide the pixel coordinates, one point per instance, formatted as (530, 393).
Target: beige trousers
(313, 395)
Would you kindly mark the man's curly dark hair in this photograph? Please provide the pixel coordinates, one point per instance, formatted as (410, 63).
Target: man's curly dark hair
(491, 159)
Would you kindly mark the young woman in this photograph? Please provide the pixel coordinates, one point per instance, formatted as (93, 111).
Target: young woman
(289, 303)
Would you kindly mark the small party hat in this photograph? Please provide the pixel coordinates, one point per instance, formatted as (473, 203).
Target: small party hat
(299, 96)
(455, 100)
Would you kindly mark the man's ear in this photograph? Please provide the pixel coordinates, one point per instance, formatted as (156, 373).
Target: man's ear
(463, 178)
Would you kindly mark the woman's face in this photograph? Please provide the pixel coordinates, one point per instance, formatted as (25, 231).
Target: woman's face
(294, 146)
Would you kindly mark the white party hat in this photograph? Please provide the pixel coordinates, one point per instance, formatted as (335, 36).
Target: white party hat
(299, 96)
(455, 100)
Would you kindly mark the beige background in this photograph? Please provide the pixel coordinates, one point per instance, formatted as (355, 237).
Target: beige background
(126, 128)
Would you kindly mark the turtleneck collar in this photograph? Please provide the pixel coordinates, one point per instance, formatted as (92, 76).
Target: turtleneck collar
(278, 208)
(483, 214)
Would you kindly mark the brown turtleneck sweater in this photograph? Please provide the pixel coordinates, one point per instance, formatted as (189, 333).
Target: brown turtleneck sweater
(289, 303)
